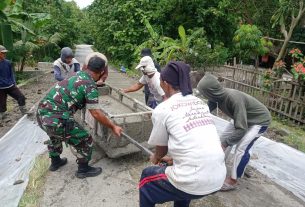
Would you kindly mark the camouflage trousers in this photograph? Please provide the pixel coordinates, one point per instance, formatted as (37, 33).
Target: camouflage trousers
(70, 132)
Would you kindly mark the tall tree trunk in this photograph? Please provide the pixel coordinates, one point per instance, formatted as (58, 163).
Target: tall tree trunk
(283, 49)
(293, 24)
(256, 62)
(22, 63)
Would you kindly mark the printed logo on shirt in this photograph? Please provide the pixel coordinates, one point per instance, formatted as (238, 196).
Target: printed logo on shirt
(188, 103)
(197, 114)
(198, 123)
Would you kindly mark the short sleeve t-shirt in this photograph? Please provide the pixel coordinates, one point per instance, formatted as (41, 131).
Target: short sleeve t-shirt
(70, 95)
(185, 125)
(153, 85)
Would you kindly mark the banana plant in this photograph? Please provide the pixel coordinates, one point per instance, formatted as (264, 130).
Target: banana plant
(166, 48)
(179, 49)
(14, 19)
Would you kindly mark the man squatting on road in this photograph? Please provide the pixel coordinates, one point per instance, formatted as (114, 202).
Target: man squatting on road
(151, 77)
(182, 128)
(55, 116)
(251, 119)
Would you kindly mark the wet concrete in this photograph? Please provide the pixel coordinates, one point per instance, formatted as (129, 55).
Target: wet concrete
(137, 126)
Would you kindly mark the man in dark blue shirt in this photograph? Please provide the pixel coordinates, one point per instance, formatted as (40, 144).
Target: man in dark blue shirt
(8, 85)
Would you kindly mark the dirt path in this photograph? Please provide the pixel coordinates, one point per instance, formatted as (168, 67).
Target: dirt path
(33, 91)
(117, 185)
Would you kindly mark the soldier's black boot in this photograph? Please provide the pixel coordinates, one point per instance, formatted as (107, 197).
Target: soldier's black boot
(57, 162)
(84, 170)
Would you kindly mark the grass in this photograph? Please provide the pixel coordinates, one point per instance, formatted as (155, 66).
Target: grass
(33, 191)
(296, 136)
(22, 77)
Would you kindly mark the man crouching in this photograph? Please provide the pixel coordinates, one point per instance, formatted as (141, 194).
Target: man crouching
(55, 116)
(182, 128)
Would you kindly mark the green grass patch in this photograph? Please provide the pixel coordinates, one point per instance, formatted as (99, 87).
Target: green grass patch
(22, 77)
(33, 191)
(296, 133)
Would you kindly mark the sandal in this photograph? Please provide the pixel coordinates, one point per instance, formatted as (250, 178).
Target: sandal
(228, 187)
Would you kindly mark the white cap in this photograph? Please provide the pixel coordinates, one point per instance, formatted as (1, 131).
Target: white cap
(3, 49)
(147, 65)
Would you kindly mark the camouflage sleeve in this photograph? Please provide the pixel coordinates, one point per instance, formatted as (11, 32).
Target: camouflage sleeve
(91, 96)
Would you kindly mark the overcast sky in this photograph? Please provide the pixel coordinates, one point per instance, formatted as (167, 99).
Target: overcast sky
(82, 3)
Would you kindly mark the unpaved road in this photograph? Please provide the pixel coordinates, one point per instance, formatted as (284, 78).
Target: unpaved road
(117, 185)
(33, 92)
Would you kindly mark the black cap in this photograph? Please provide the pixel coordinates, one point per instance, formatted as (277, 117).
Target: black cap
(146, 52)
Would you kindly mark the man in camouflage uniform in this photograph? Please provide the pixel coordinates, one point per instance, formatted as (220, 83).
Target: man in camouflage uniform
(55, 116)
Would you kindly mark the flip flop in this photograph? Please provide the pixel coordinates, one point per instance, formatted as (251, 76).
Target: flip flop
(228, 187)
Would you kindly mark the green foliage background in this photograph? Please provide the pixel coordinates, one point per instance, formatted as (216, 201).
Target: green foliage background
(119, 28)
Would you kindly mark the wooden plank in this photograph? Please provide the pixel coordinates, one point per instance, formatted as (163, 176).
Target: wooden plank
(292, 95)
(296, 112)
(282, 101)
(302, 115)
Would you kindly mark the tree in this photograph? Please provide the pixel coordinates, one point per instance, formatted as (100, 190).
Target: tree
(10, 17)
(117, 28)
(287, 16)
(255, 12)
(192, 48)
(25, 24)
(66, 18)
(250, 42)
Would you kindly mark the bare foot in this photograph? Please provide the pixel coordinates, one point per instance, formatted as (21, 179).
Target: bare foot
(230, 181)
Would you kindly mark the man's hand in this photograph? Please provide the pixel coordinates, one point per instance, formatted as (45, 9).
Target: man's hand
(123, 90)
(100, 82)
(153, 159)
(167, 159)
(102, 79)
(100, 117)
(116, 130)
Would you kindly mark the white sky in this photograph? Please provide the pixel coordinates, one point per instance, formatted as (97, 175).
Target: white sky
(82, 3)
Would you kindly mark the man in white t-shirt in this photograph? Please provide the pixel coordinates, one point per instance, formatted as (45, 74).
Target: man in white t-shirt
(151, 77)
(185, 136)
